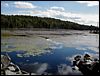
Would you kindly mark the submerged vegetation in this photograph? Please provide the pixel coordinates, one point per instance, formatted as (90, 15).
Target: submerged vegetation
(20, 21)
(29, 45)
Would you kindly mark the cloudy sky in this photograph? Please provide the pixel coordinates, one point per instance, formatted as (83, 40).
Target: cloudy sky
(83, 12)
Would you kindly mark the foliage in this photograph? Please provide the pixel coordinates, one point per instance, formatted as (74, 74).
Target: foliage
(20, 21)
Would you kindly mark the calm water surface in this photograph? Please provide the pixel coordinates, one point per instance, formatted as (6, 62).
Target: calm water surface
(60, 54)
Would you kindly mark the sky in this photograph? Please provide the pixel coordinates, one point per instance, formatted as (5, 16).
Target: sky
(82, 12)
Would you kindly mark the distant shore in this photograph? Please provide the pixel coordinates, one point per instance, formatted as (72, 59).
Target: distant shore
(28, 32)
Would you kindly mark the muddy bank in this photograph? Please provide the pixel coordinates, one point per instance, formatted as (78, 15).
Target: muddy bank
(42, 32)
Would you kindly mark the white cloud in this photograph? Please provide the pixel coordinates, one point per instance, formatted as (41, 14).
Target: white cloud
(89, 3)
(57, 8)
(20, 4)
(42, 69)
(36, 67)
(56, 12)
(96, 49)
(64, 69)
(88, 19)
(4, 4)
(71, 59)
(81, 49)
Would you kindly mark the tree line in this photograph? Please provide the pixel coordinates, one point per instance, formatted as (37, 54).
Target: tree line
(21, 21)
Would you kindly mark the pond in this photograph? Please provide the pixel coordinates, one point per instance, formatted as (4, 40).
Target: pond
(55, 53)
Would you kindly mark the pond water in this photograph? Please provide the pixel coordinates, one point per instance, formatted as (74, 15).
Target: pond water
(61, 54)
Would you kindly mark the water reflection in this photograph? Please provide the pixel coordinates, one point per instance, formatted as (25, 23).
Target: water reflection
(58, 56)
(57, 59)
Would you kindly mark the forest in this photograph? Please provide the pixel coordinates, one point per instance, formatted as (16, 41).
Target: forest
(21, 21)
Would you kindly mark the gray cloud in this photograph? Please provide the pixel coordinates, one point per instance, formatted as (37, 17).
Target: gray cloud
(64, 69)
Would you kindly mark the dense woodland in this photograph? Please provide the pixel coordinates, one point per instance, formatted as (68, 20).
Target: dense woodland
(20, 21)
